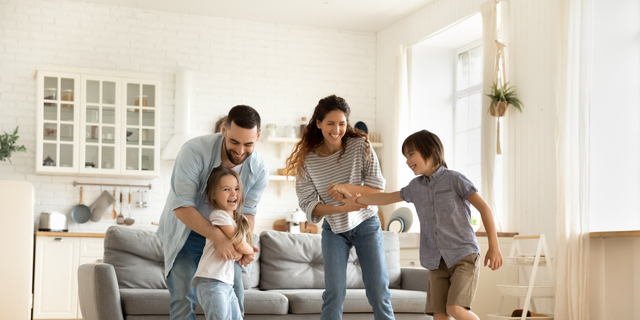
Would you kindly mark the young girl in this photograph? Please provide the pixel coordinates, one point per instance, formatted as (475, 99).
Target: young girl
(448, 245)
(214, 277)
(331, 155)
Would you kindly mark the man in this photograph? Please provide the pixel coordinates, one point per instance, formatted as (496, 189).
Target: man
(184, 225)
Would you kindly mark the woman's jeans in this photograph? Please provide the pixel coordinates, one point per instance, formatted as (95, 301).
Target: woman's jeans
(218, 300)
(369, 242)
(184, 296)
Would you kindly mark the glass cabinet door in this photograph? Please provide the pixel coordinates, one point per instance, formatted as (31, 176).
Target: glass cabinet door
(140, 127)
(58, 122)
(100, 118)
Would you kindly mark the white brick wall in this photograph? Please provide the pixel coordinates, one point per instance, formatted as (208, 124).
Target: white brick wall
(280, 70)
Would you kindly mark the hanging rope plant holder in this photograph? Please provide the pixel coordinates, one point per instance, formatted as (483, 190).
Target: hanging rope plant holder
(502, 95)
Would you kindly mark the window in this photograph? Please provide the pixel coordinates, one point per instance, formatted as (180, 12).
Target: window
(467, 114)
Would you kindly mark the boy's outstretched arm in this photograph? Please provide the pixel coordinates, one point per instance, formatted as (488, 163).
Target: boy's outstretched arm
(380, 199)
(493, 254)
(240, 246)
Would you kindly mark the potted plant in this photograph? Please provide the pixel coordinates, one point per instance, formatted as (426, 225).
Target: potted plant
(501, 98)
(8, 145)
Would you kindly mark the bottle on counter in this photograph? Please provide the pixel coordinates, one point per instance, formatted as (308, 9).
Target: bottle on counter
(303, 125)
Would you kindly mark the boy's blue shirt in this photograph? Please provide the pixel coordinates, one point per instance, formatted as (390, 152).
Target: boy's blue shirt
(197, 158)
(445, 216)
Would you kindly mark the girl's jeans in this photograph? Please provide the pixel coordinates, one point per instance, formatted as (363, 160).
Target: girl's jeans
(183, 295)
(218, 300)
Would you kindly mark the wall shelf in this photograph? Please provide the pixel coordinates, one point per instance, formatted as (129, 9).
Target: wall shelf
(284, 142)
(281, 181)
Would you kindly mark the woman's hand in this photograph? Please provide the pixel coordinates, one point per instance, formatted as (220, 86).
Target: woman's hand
(337, 192)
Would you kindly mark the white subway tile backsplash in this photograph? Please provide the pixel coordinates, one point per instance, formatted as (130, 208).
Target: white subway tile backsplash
(281, 70)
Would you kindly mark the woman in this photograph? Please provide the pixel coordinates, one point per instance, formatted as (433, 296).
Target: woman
(331, 159)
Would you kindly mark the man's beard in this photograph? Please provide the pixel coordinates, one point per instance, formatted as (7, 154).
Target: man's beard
(230, 155)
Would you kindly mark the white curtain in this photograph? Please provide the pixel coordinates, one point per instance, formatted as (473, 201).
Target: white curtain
(573, 108)
(401, 115)
(488, 130)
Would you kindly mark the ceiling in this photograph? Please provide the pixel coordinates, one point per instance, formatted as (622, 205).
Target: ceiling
(351, 15)
(455, 36)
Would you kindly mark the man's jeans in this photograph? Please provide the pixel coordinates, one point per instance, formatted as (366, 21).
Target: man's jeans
(184, 296)
(369, 242)
(218, 300)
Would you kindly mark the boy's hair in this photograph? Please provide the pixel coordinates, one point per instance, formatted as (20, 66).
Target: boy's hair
(242, 224)
(427, 144)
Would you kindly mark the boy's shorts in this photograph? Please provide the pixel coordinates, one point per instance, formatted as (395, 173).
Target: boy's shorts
(455, 286)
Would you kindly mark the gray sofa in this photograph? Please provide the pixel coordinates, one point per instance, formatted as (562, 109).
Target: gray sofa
(286, 280)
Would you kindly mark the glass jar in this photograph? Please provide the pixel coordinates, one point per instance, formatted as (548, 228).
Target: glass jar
(270, 131)
(290, 132)
(50, 93)
(67, 95)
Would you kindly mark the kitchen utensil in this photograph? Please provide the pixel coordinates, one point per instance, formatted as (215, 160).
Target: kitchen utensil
(80, 213)
(100, 205)
(114, 214)
(120, 217)
(142, 199)
(129, 221)
(53, 221)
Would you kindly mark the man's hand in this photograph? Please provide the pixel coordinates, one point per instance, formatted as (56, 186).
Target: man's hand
(495, 258)
(246, 259)
(337, 192)
(226, 251)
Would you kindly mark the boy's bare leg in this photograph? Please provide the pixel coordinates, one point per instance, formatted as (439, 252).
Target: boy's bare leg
(441, 316)
(461, 313)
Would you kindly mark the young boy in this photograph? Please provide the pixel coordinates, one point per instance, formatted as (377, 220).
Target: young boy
(448, 245)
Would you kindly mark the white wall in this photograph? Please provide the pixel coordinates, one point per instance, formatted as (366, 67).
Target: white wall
(614, 278)
(529, 141)
(431, 92)
(430, 73)
(615, 116)
(280, 70)
(436, 16)
(529, 138)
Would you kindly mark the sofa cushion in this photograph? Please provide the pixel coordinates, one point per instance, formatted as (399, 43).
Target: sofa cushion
(310, 301)
(136, 256)
(265, 302)
(156, 301)
(254, 280)
(294, 261)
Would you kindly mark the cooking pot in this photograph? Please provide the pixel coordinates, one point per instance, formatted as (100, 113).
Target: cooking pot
(53, 221)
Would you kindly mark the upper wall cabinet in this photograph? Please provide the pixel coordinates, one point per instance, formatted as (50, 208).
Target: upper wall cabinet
(97, 125)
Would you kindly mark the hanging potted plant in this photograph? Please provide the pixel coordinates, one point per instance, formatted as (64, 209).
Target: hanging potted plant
(501, 98)
(8, 145)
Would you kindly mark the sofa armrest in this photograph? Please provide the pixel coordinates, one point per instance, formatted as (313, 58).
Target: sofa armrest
(98, 292)
(415, 279)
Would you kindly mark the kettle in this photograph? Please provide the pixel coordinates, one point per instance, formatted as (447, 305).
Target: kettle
(53, 221)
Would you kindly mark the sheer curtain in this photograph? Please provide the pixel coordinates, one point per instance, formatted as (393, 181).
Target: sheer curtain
(401, 115)
(488, 130)
(573, 108)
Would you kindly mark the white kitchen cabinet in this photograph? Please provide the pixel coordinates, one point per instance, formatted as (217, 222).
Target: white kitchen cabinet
(58, 256)
(90, 123)
(55, 281)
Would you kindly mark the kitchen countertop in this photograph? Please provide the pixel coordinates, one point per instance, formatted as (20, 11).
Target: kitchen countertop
(69, 234)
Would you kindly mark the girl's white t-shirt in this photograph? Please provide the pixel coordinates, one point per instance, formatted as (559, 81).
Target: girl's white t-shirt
(210, 265)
